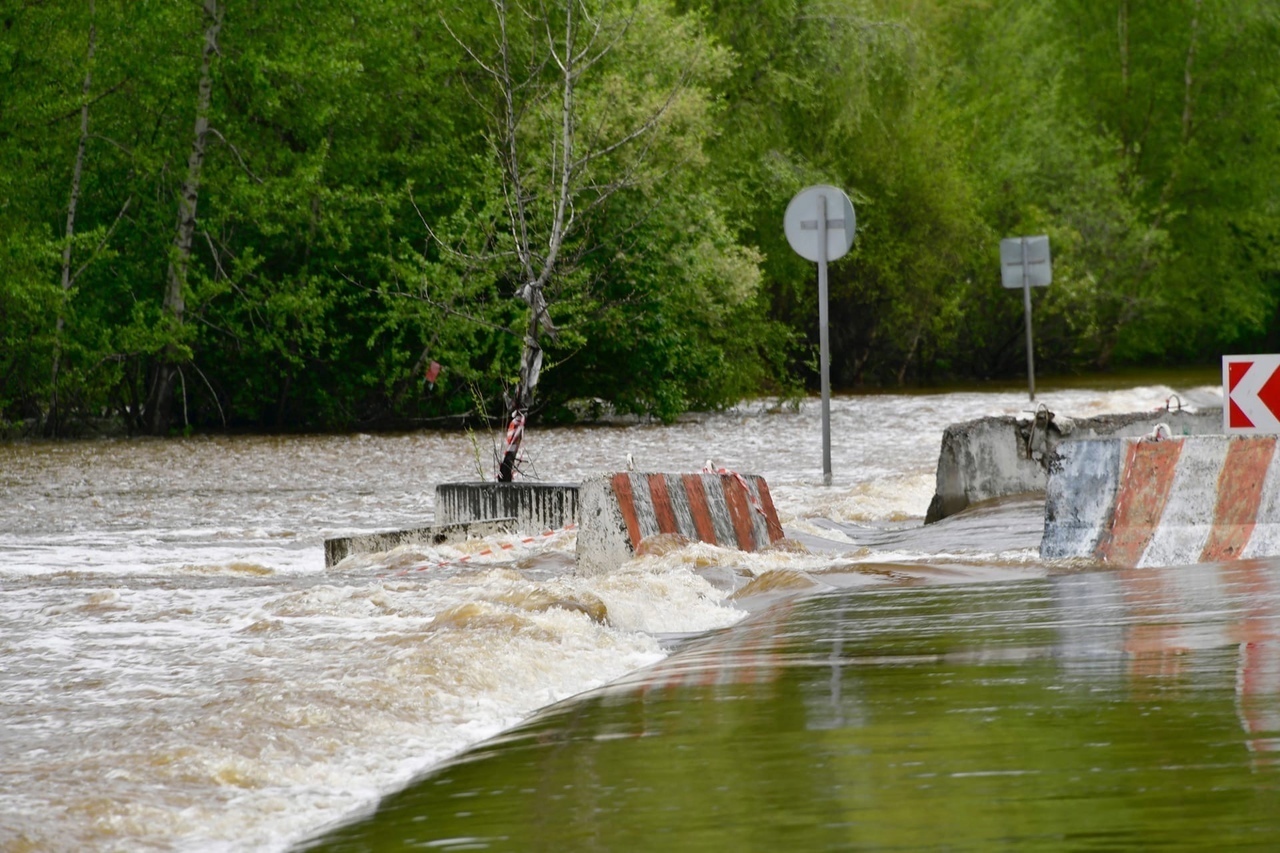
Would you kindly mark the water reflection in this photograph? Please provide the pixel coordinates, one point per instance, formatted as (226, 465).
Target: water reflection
(1081, 711)
(1160, 626)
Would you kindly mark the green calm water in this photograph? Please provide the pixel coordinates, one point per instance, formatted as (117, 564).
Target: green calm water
(1095, 711)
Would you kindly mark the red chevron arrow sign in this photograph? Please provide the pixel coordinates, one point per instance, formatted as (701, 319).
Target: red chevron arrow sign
(1251, 394)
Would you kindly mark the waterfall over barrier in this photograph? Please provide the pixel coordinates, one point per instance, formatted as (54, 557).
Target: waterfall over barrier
(618, 511)
(535, 506)
(613, 513)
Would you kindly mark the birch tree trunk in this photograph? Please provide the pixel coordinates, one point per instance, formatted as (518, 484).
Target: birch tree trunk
(51, 418)
(535, 279)
(159, 405)
(561, 150)
(583, 43)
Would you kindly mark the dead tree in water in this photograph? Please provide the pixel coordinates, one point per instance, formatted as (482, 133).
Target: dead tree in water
(556, 165)
(164, 372)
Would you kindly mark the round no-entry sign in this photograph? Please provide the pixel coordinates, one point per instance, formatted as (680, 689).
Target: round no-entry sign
(819, 225)
(802, 225)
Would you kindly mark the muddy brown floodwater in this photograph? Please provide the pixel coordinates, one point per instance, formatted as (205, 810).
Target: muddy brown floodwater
(181, 672)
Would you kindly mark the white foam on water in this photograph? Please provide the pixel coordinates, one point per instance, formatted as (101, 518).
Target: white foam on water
(266, 709)
(240, 717)
(181, 672)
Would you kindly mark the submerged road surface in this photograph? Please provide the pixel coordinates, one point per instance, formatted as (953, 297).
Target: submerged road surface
(1133, 709)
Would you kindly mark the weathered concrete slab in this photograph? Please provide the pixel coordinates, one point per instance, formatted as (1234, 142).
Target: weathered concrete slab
(534, 506)
(1141, 502)
(1085, 477)
(997, 457)
(336, 550)
(619, 511)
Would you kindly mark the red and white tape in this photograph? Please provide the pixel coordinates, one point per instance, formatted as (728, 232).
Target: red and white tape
(515, 432)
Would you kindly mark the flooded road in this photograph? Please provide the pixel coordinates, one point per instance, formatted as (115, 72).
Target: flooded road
(180, 671)
(1098, 711)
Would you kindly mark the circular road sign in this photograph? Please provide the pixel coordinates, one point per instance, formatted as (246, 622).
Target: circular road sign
(801, 222)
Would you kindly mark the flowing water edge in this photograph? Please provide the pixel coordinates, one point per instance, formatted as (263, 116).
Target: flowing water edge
(182, 673)
(1135, 709)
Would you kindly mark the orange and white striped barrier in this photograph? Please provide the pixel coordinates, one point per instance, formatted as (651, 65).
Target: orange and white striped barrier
(618, 511)
(1164, 502)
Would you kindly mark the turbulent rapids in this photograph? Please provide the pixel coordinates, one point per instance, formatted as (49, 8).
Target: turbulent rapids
(182, 672)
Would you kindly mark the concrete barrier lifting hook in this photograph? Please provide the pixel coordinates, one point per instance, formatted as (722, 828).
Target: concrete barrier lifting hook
(1168, 407)
(1040, 419)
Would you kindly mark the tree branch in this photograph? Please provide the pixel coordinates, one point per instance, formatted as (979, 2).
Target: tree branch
(103, 242)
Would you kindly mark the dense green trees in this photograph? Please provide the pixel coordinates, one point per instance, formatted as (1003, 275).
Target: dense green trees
(222, 212)
(1139, 136)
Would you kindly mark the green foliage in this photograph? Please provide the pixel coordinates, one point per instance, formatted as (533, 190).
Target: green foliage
(1133, 136)
(355, 218)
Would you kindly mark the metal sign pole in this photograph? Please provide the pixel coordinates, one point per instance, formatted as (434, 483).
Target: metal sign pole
(801, 230)
(824, 346)
(1026, 304)
(1017, 257)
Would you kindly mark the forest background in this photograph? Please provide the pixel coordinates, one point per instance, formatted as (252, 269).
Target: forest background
(262, 214)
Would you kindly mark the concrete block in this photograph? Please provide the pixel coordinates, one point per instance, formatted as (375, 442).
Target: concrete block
(1079, 498)
(1135, 502)
(1001, 456)
(336, 550)
(534, 506)
(618, 511)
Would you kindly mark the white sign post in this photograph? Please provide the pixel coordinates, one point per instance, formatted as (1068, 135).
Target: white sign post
(819, 224)
(1251, 394)
(1024, 263)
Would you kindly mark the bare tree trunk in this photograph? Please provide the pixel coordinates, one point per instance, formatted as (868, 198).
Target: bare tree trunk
(911, 354)
(165, 372)
(532, 292)
(1186, 121)
(543, 210)
(530, 369)
(1126, 141)
(1122, 27)
(51, 418)
(1188, 81)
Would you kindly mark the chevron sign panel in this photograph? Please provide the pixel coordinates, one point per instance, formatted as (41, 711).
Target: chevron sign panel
(1251, 394)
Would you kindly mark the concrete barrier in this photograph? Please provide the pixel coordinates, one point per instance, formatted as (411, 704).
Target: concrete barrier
(472, 509)
(338, 549)
(1133, 502)
(534, 506)
(618, 511)
(1001, 456)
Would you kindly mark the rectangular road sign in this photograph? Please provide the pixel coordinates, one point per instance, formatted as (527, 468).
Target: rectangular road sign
(1039, 271)
(1251, 394)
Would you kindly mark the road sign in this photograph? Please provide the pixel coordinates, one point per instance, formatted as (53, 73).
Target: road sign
(1251, 394)
(1035, 263)
(819, 224)
(801, 222)
(1024, 263)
